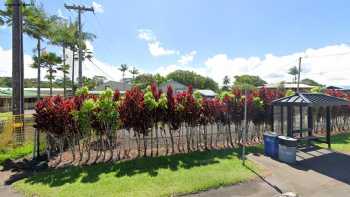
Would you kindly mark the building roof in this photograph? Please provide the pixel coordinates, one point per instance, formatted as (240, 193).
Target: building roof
(98, 92)
(207, 93)
(334, 87)
(288, 85)
(310, 99)
(175, 85)
(28, 93)
(114, 85)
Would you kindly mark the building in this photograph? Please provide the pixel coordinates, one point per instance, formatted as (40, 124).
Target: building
(333, 88)
(177, 86)
(210, 94)
(289, 86)
(30, 97)
(122, 87)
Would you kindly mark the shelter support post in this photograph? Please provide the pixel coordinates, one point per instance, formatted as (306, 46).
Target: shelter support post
(310, 121)
(282, 120)
(272, 119)
(301, 120)
(328, 126)
(289, 121)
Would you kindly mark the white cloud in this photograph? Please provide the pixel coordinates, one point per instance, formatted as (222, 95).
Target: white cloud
(147, 35)
(98, 8)
(156, 50)
(89, 46)
(98, 67)
(60, 14)
(318, 64)
(187, 58)
(6, 64)
(328, 65)
(154, 46)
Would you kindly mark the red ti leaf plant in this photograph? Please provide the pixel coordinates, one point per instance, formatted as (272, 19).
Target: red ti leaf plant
(160, 123)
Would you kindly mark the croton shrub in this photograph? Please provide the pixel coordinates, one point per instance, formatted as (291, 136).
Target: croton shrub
(87, 120)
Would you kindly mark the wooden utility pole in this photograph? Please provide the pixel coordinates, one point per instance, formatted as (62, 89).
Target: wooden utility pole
(80, 9)
(17, 60)
(17, 68)
(299, 70)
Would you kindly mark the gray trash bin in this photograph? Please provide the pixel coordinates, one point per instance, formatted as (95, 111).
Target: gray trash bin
(287, 148)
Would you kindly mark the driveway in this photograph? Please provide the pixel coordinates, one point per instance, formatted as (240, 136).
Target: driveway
(318, 173)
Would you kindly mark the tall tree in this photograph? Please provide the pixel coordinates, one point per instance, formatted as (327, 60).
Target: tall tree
(144, 80)
(159, 79)
(191, 78)
(62, 34)
(310, 82)
(248, 79)
(35, 25)
(99, 80)
(123, 68)
(226, 83)
(64, 68)
(50, 61)
(89, 83)
(294, 72)
(134, 72)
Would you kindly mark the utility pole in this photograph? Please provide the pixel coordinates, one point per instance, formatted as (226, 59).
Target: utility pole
(299, 70)
(17, 53)
(80, 9)
(17, 69)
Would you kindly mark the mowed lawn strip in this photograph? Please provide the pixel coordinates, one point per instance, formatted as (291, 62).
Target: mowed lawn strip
(340, 142)
(15, 153)
(162, 176)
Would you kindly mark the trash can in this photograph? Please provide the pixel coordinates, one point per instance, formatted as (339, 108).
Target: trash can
(287, 149)
(271, 144)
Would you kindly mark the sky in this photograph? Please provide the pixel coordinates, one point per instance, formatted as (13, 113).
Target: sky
(213, 38)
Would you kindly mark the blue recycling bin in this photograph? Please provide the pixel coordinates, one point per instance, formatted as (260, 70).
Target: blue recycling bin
(271, 144)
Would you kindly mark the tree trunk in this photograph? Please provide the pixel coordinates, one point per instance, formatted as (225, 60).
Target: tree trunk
(73, 61)
(64, 72)
(50, 70)
(37, 133)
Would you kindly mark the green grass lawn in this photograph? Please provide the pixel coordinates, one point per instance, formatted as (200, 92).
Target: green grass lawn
(15, 153)
(162, 176)
(340, 142)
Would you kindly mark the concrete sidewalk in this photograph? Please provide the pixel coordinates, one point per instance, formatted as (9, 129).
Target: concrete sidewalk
(318, 173)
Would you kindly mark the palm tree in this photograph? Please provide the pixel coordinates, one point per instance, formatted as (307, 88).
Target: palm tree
(62, 34)
(2, 18)
(226, 83)
(134, 72)
(123, 68)
(65, 35)
(35, 25)
(64, 68)
(50, 61)
(294, 72)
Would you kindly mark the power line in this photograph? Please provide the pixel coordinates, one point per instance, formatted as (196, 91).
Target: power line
(101, 69)
(80, 9)
(101, 30)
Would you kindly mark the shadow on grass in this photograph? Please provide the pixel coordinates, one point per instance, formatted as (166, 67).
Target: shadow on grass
(150, 165)
(343, 138)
